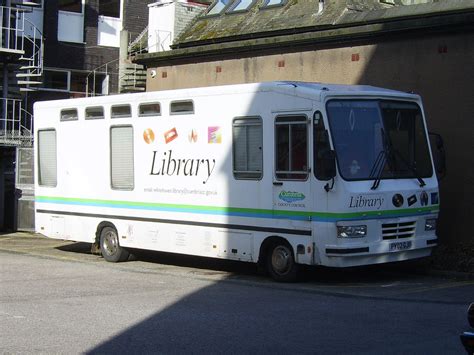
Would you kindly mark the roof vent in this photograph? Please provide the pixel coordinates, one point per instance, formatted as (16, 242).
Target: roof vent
(321, 6)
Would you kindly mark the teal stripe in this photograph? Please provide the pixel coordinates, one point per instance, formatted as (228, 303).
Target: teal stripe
(240, 212)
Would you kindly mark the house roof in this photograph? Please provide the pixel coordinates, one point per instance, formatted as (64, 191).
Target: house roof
(298, 22)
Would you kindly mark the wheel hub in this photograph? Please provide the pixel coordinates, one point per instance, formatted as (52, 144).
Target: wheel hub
(281, 259)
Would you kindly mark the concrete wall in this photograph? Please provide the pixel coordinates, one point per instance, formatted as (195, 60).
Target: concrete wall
(439, 67)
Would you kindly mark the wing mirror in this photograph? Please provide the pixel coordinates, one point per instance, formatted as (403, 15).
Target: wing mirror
(328, 165)
(439, 154)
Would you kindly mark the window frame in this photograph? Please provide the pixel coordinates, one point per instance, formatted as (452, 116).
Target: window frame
(122, 115)
(141, 104)
(174, 113)
(265, 5)
(61, 119)
(39, 158)
(231, 8)
(89, 108)
(278, 173)
(81, 5)
(68, 81)
(213, 5)
(258, 121)
(115, 188)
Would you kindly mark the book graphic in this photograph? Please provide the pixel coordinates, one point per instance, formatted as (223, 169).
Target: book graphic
(214, 135)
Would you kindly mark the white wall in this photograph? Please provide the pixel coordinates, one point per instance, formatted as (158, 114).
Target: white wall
(161, 22)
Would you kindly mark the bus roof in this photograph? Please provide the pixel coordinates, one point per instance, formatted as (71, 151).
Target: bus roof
(309, 90)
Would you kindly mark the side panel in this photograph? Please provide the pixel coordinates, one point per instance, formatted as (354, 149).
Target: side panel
(185, 198)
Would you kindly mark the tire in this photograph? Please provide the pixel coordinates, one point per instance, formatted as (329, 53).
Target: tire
(110, 247)
(281, 263)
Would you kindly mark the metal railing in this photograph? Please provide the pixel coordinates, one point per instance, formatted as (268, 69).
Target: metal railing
(14, 37)
(16, 124)
(10, 33)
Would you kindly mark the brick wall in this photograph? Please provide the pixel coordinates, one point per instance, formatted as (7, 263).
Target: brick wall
(136, 16)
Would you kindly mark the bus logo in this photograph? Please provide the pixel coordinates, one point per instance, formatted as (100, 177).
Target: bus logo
(291, 196)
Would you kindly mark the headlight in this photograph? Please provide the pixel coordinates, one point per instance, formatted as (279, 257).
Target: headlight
(430, 224)
(351, 231)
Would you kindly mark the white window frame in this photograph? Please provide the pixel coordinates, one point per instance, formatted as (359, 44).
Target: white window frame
(68, 83)
(247, 122)
(116, 182)
(53, 174)
(71, 15)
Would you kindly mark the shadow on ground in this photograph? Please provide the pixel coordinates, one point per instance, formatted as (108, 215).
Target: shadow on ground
(373, 273)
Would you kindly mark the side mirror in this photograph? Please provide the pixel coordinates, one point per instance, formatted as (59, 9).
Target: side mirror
(470, 315)
(439, 154)
(328, 165)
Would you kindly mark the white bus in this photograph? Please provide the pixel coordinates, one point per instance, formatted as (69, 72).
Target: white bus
(279, 173)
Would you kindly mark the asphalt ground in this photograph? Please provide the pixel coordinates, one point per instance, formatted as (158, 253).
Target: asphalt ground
(57, 297)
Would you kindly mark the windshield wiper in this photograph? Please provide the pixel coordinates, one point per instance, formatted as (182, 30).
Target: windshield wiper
(410, 167)
(377, 168)
(379, 164)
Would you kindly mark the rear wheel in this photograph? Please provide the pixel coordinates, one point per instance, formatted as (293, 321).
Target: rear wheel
(281, 263)
(110, 247)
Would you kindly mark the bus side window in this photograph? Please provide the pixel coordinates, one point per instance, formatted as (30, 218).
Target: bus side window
(247, 152)
(47, 158)
(121, 158)
(320, 145)
(291, 150)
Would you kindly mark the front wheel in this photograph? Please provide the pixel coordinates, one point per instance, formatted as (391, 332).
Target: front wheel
(281, 263)
(110, 247)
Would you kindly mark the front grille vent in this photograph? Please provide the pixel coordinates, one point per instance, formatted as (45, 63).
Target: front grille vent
(398, 230)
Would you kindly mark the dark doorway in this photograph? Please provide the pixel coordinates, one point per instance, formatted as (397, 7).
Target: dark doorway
(7, 189)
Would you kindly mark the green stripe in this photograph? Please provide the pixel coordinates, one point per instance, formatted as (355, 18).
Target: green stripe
(238, 210)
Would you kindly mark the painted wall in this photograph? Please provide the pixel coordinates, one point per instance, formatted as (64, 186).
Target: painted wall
(439, 67)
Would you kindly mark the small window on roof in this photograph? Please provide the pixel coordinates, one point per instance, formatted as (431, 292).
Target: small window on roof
(241, 5)
(69, 114)
(182, 107)
(149, 109)
(94, 113)
(217, 7)
(121, 111)
(269, 3)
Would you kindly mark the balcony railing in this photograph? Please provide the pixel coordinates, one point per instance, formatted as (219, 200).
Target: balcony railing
(16, 124)
(14, 37)
(11, 32)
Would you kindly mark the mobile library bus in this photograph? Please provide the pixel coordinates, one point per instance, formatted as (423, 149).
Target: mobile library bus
(279, 173)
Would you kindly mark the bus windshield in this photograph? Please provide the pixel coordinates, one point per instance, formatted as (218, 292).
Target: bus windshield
(379, 139)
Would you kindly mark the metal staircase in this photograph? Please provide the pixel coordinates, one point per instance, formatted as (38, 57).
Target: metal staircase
(21, 64)
(132, 77)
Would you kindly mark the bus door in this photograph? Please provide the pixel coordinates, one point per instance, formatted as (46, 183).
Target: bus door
(292, 199)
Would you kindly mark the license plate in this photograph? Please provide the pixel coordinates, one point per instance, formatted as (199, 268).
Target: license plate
(400, 246)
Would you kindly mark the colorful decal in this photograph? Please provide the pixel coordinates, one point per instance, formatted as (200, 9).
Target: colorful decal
(171, 135)
(362, 201)
(148, 135)
(214, 135)
(291, 196)
(412, 200)
(434, 198)
(424, 198)
(397, 200)
(193, 136)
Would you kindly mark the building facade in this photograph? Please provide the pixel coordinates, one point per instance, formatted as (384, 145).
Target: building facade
(422, 46)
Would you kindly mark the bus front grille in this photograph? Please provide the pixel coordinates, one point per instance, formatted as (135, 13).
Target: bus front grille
(398, 230)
